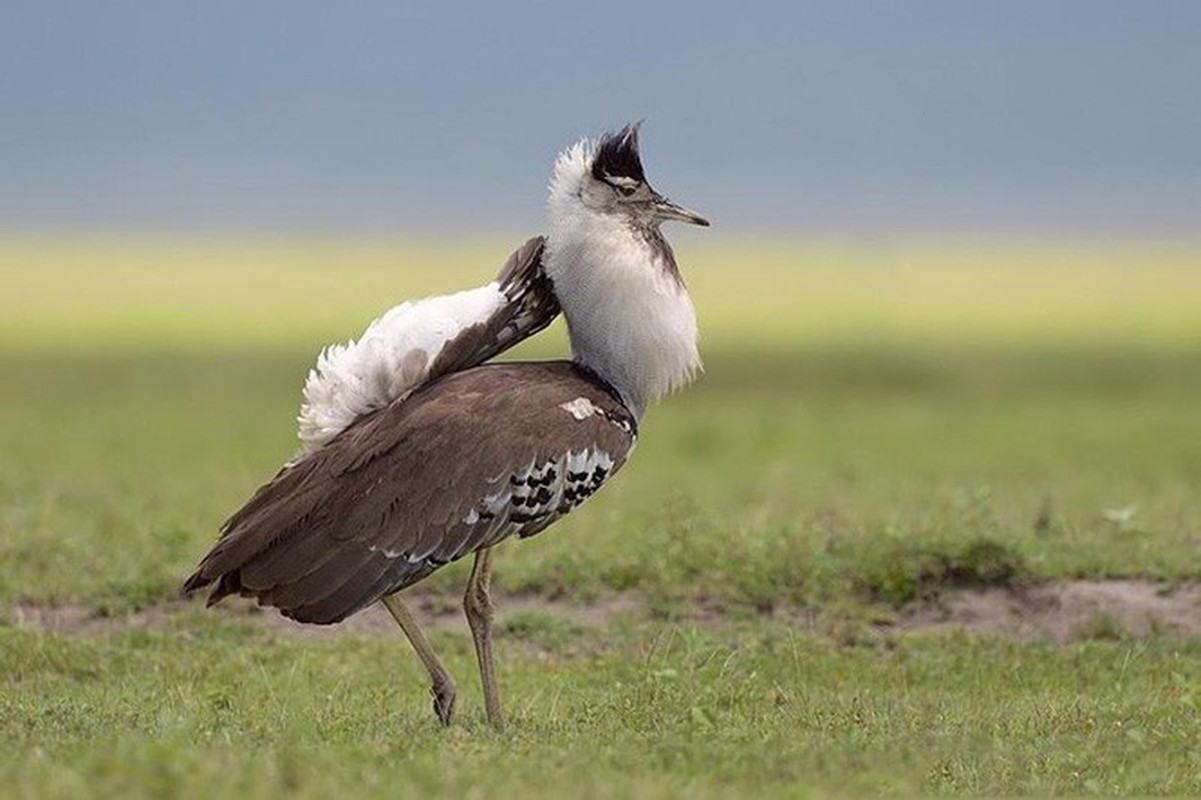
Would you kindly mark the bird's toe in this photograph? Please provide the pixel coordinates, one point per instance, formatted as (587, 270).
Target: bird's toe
(444, 701)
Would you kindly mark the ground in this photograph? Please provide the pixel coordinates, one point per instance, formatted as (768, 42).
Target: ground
(928, 524)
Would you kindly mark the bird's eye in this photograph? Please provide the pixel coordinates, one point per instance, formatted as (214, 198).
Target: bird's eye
(626, 191)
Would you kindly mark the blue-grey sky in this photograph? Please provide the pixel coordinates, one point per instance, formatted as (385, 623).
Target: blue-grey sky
(1076, 116)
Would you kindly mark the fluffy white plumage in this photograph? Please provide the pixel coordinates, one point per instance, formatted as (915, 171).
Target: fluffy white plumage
(629, 319)
(390, 359)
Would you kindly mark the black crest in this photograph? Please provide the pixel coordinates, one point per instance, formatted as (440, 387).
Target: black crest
(617, 155)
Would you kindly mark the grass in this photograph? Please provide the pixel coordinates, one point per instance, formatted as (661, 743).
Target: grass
(652, 710)
(206, 296)
(797, 484)
(876, 425)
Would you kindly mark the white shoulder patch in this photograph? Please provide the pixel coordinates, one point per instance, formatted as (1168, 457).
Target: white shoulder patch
(390, 360)
(581, 408)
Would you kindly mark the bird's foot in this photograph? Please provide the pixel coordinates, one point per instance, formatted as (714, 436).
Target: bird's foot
(444, 701)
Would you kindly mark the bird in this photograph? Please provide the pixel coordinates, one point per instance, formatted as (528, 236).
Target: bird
(418, 450)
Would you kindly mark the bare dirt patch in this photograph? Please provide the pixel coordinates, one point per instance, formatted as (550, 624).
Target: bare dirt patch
(79, 620)
(1064, 611)
(1057, 612)
(441, 612)
(436, 612)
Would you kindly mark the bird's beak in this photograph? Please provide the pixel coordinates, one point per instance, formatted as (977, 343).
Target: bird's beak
(665, 209)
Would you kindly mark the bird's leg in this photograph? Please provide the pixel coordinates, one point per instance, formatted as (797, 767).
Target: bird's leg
(477, 605)
(444, 687)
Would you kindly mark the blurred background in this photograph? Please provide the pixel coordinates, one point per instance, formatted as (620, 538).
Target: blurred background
(955, 262)
(1066, 118)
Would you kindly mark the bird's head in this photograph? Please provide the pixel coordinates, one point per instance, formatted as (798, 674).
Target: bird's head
(605, 177)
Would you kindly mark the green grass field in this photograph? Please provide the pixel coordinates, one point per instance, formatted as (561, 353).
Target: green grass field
(878, 426)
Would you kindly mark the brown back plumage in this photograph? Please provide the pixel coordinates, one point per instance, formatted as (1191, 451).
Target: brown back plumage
(460, 464)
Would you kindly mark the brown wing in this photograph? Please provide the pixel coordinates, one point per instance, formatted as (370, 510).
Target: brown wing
(461, 464)
(532, 306)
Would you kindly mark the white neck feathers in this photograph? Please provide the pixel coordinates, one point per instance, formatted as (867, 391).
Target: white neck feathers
(629, 318)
